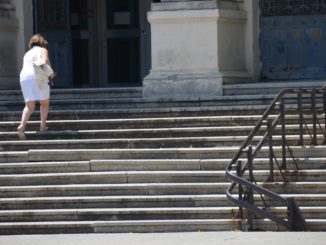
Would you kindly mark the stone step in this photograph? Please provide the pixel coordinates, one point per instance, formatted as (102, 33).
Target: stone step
(83, 202)
(138, 123)
(167, 213)
(132, 133)
(119, 177)
(145, 201)
(132, 103)
(303, 200)
(267, 225)
(87, 114)
(119, 226)
(144, 123)
(128, 189)
(120, 143)
(164, 153)
(189, 225)
(307, 212)
(232, 132)
(134, 143)
(86, 93)
(112, 214)
(146, 165)
(307, 191)
(115, 177)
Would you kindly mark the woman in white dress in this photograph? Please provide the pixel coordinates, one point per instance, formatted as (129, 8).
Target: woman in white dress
(34, 89)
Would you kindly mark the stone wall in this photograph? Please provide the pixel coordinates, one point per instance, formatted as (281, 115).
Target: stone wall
(8, 46)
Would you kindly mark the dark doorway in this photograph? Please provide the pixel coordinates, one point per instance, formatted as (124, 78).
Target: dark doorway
(106, 43)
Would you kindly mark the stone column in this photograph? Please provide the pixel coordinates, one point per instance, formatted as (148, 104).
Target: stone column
(194, 43)
(8, 46)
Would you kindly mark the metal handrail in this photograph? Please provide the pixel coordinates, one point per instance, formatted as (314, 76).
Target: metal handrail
(295, 220)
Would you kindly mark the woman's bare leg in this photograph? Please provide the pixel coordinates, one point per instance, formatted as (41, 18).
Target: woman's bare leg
(44, 110)
(27, 112)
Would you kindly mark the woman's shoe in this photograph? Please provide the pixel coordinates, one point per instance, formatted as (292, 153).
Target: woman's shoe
(43, 129)
(21, 134)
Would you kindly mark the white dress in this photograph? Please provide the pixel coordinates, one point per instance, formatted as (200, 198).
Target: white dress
(33, 89)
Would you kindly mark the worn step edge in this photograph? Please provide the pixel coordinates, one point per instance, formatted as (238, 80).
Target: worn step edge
(143, 164)
(181, 153)
(121, 226)
(129, 143)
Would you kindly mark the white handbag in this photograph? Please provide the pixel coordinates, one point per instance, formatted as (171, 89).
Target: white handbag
(42, 71)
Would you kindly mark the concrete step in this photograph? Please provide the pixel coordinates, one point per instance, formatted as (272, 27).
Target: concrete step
(120, 143)
(113, 177)
(144, 226)
(134, 189)
(120, 226)
(117, 113)
(86, 93)
(117, 177)
(303, 199)
(131, 133)
(138, 123)
(309, 191)
(164, 153)
(112, 214)
(113, 165)
(307, 212)
(267, 225)
(167, 213)
(145, 165)
(142, 123)
(134, 143)
(229, 131)
(132, 103)
(145, 201)
(83, 202)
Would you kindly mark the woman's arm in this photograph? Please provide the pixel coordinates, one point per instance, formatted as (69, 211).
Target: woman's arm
(45, 56)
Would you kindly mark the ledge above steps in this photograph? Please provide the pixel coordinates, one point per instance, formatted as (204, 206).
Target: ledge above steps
(272, 88)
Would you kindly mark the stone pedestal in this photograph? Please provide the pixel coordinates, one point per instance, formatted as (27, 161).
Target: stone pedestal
(196, 45)
(9, 78)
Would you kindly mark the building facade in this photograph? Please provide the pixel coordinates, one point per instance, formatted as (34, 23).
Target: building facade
(174, 49)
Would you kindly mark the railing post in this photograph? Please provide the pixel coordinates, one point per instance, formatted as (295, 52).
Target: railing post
(270, 145)
(301, 119)
(239, 170)
(250, 191)
(296, 222)
(282, 118)
(314, 117)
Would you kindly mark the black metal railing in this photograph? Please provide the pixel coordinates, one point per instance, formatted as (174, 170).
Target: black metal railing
(304, 109)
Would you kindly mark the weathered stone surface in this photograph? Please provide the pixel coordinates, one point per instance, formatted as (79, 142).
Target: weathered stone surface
(165, 5)
(8, 43)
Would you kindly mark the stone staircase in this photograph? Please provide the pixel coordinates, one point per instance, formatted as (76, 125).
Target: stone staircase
(114, 162)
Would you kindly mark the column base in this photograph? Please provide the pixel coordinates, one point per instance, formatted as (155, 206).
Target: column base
(183, 86)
